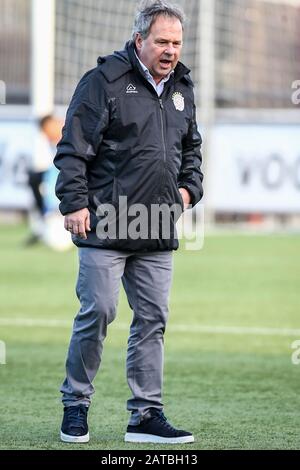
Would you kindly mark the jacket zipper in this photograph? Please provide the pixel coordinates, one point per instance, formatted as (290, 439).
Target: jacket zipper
(162, 127)
(161, 109)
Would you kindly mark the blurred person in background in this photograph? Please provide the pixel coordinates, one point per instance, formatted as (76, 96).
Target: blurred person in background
(130, 130)
(42, 163)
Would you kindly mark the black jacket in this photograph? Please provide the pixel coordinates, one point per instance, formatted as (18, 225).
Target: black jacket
(121, 139)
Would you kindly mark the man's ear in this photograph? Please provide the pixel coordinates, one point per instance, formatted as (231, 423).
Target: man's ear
(138, 41)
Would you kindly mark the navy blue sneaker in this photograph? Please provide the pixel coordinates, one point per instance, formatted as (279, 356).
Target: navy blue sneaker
(155, 428)
(74, 427)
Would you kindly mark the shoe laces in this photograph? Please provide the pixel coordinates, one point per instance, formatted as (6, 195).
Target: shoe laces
(159, 416)
(77, 416)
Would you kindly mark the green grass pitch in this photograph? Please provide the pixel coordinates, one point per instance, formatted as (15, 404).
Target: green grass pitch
(234, 389)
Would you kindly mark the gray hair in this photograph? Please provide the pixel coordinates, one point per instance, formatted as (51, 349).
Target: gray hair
(148, 12)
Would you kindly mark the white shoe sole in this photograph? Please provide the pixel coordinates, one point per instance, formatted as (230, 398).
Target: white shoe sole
(139, 437)
(74, 439)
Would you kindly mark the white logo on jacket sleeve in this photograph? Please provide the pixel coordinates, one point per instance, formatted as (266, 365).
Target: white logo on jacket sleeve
(178, 101)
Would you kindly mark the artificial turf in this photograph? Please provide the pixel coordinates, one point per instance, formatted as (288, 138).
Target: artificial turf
(232, 389)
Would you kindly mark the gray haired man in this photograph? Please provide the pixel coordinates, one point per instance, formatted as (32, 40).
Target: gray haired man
(130, 133)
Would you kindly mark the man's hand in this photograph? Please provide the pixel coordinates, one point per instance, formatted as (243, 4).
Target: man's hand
(78, 223)
(186, 197)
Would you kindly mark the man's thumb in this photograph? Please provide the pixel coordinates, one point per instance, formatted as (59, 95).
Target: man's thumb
(88, 223)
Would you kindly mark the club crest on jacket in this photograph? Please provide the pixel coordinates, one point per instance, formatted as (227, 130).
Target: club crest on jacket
(178, 101)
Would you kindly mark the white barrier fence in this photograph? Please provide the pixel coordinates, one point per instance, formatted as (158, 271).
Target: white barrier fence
(16, 148)
(253, 168)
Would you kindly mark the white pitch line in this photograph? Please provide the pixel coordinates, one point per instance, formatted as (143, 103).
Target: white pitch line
(32, 322)
(225, 330)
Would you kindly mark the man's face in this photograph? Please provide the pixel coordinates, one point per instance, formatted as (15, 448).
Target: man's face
(161, 51)
(52, 128)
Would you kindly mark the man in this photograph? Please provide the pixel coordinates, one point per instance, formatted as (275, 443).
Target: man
(130, 132)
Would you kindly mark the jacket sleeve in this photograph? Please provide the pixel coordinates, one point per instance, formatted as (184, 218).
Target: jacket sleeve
(191, 176)
(86, 121)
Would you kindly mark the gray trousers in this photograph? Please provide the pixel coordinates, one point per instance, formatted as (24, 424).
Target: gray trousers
(147, 279)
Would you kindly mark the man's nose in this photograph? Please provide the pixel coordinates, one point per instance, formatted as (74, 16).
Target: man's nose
(170, 50)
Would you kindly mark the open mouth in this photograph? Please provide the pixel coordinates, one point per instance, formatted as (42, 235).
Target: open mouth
(165, 63)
